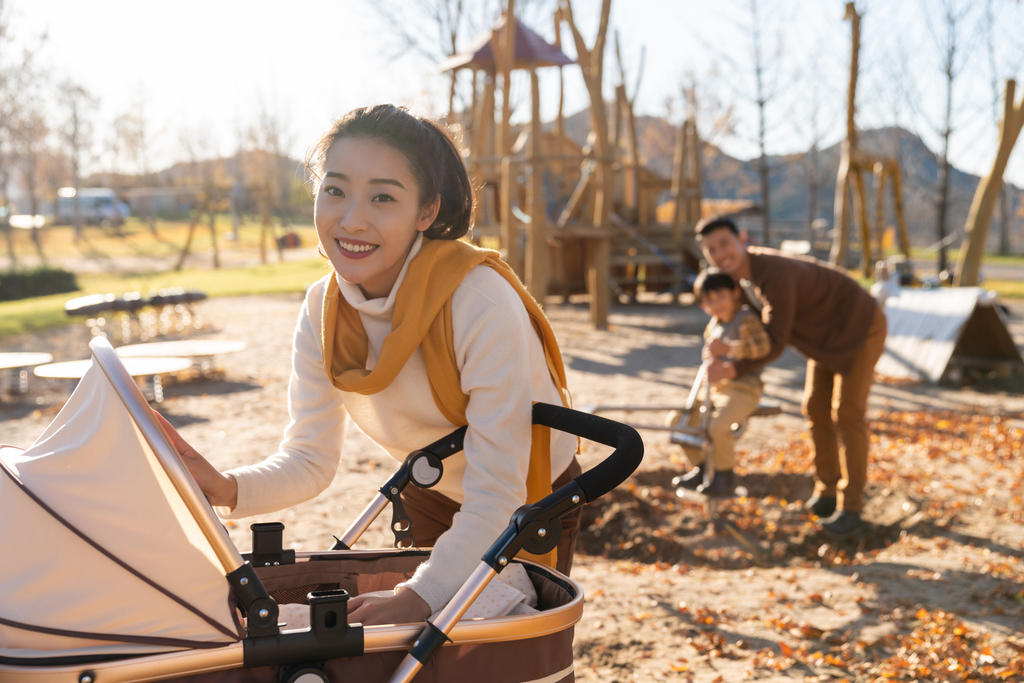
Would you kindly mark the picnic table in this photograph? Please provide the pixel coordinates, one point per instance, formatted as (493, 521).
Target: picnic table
(148, 368)
(19, 361)
(185, 348)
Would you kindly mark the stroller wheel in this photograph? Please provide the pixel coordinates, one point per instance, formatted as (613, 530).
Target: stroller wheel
(304, 673)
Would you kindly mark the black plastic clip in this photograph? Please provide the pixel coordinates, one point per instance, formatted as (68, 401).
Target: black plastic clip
(267, 542)
(428, 643)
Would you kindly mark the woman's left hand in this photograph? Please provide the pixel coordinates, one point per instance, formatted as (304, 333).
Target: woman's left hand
(403, 607)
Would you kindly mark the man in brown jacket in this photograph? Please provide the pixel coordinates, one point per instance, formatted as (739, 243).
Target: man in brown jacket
(827, 316)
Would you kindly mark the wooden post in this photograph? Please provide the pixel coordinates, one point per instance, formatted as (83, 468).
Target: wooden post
(679, 183)
(633, 186)
(880, 172)
(560, 118)
(598, 268)
(860, 204)
(841, 214)
(615, 147)
(509, 224)
(632, 171)
(537, 249)
(483, 145)
(504, 55)
(980, 215)
(896, 175)
(694, 187)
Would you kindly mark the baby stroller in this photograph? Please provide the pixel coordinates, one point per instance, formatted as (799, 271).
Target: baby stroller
(91, 593)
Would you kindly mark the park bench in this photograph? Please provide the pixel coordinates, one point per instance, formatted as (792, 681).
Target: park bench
(170, 310)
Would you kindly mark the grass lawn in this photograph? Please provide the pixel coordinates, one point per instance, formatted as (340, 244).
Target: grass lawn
(995, 259)
(40, 313)
(136, 239)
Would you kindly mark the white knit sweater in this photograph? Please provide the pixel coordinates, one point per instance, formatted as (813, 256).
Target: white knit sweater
(496, 349)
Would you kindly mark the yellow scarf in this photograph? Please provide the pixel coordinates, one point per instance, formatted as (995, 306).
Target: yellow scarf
(423, 318)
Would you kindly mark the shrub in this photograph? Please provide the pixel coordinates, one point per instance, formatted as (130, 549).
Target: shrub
(24, 284)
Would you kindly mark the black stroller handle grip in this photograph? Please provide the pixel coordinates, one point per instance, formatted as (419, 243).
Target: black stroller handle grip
(449, 445)
(613, 470)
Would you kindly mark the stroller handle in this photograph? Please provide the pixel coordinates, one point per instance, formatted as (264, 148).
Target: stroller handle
(534, 527)
(613, 470)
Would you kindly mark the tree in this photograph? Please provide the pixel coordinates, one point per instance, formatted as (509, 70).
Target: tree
(135, 138)
(950, 32)
(265, 143)
(17, 75)
(444, 20)
(814, 130)
(204, 174)
(76, 133)
(31, 133)
(762, 73)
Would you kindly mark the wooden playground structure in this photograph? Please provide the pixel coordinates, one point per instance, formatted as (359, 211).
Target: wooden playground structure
(853, 165)
(572, 219)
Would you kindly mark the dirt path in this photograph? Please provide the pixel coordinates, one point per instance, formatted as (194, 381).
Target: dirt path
(934, 593)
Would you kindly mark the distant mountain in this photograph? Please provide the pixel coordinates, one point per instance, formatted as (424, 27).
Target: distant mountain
(727, 177)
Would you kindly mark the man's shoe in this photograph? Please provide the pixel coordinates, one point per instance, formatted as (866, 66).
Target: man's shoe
(843, 524)
(822, 506)
(691, 480)
(724, 484)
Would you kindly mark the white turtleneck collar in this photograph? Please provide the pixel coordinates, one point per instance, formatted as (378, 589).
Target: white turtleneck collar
(382, 306)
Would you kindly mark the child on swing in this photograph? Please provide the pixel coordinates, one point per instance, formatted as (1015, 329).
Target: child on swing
(412, 334)
(734, 332)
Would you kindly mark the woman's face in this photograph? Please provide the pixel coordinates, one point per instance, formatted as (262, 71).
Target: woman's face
(367, 213)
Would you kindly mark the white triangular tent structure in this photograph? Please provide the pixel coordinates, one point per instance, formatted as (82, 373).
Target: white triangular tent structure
(102, 554)
(934, 333)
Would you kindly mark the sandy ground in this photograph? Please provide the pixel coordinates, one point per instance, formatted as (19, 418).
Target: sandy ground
(669, 596)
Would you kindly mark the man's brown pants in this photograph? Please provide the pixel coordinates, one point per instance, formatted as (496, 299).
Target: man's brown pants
(835, 406)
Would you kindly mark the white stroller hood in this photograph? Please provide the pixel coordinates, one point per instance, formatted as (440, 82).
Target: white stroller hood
(101, 556)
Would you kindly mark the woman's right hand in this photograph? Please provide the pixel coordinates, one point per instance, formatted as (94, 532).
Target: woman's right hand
(219, 488)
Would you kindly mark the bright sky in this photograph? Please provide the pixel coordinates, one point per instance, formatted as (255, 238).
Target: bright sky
(210, 64)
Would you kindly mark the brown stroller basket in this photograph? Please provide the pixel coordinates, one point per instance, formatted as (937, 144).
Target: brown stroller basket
(65, 634)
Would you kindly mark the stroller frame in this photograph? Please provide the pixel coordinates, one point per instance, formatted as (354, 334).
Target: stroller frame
(533, 527)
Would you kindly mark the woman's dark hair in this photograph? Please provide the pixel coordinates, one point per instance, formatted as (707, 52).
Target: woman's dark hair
(433, 158)
(711, 280)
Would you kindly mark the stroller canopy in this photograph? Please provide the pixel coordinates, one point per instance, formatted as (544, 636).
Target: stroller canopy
(101, 554)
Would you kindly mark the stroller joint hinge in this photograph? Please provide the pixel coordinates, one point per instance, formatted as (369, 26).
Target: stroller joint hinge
(401, 524)
(260, 609)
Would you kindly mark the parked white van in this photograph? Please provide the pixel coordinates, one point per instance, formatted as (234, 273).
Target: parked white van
(98, 205)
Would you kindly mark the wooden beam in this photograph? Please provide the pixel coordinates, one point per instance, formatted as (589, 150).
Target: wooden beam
(860, 204)
(896, 176)
(537, 246)
(980, 215)
(509, 224)
(879, 174)
(841, 212)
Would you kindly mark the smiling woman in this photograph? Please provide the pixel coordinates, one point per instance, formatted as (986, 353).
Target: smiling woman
(368, 212)
(408, 312)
